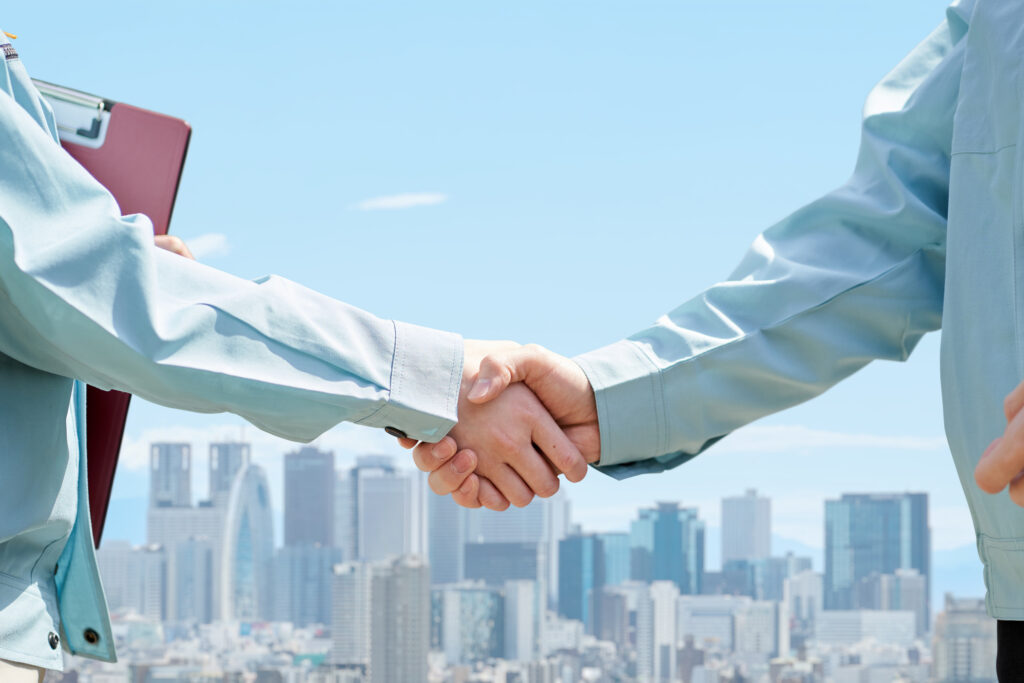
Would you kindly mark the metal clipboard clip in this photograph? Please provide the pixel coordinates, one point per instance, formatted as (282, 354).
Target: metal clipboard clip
(82, 118)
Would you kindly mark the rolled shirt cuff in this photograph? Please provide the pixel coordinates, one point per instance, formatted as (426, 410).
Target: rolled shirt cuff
(631, 412)
(426, 375)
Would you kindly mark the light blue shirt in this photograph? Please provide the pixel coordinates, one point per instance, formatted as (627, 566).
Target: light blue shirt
(86, 297)
(928, 230)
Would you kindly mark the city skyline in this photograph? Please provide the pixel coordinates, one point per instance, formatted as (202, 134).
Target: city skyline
(645, 589)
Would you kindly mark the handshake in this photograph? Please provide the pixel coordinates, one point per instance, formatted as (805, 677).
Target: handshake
(526, 415)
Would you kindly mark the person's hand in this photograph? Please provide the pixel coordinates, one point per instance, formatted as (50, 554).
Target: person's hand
(559, 383)
(1002, 463)
(518, 446)
(173, 244)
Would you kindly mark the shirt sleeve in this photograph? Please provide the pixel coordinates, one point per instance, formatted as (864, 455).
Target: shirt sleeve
(856, 275)
(84, 293)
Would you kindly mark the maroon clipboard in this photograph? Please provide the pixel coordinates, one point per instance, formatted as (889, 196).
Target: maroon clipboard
(138, 155)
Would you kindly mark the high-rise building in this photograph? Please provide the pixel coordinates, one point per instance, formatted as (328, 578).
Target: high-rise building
(193, 579)
(470, 622)
(447, 540)
(134, 578)
(174, 527)
(523, 604)
(802, 594)
(616, 557)
(309, 497)
(400, 623)
(656, 636)
(497, 563)
(581, 578)
(849, 627)
(380, 622)
(902, 590)
(248, 549)
(711, 619)
(965, 642)
(762, 628)
(667, 544)
(301, 578)
(775, 570)
(170, 475)
(351, 611)
(746, 527)
(873, 533)
(227, 458)
(374, 511)
(544, 521)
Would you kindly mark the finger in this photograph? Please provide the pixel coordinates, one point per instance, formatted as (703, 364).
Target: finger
(468, 495)
(498, 370)
(174, 245)
(1013, 402)
(490, 497)
(449, 478)
(1017, 489)
(587, 438)
(407, 443)
(556, 447)
(429, 456)
(510, 484)
(1003, 459)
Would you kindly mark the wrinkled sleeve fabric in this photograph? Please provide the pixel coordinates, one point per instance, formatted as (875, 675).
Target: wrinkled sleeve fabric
(85, 294)
(856, 275)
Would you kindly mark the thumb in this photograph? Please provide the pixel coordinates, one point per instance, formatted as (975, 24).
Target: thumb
(502, 368)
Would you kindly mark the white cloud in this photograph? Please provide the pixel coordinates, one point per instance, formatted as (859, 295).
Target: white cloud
(210, 244)
(402, 201)
(795, 438)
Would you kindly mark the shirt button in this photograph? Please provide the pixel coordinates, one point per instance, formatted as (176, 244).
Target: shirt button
(54, 640)
(396, 432)
(91, 636)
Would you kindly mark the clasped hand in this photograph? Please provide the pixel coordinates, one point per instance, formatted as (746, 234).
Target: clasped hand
(526, 415)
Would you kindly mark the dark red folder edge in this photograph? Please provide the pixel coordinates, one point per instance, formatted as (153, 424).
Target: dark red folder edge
(107, 411)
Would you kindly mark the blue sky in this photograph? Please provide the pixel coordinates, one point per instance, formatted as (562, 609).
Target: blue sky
(557, 172)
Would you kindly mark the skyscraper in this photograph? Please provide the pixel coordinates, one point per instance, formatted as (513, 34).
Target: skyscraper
(544, 521)
(227, 458)
(522, 620)
(656, 638)
(746, 527)
(667, 544)
(965, 642)
(400, 623)
(581, 577)
(381, 619)
(873, 533)
(616, 557)
(447, 540)
(309, 497)
(248, 546)
(170, 475)
(302, 577)
(497, 563)
(471, 620)
(374, 508)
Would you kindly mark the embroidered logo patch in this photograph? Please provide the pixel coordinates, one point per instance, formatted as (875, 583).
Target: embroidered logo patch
(9, 51)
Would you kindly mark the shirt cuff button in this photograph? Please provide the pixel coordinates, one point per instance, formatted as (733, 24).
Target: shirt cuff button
(54, 640)
(91, 636)
(396, 432)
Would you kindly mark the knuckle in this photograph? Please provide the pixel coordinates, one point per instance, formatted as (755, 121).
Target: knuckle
(547, 489)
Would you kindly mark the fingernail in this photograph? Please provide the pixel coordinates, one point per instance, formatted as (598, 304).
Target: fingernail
(462, 463)
(479, 389)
